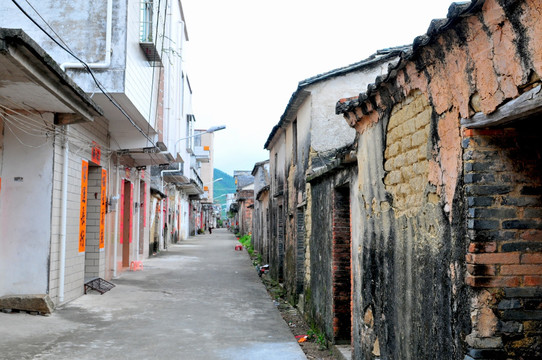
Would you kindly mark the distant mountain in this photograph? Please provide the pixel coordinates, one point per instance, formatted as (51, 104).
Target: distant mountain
(222, 187)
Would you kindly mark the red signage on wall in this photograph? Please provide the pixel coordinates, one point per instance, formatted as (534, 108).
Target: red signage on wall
(121, 225)
(96, 153)
(83, 208)
(103, 201)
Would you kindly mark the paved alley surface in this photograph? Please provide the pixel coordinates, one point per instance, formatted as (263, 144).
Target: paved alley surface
(197, 300)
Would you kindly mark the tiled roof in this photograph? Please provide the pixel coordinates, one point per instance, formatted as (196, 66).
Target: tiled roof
(456, 12)
(243, 178)
(301, 94)
(328, 161)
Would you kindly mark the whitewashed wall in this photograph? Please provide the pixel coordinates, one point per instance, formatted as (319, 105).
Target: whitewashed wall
(330, 131)
(25, 211)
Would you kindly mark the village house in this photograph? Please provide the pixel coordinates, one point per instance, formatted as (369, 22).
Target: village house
(419, 234)
(36, 96)
(260, 214)
(308, 132)
(243, 201)
(204, 152)
(445, 193)
(105, 213)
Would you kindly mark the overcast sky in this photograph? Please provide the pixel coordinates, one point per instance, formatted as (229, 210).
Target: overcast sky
(245, 58)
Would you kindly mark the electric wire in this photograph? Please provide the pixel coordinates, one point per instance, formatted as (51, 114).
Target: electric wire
(32, 124)
(6, 124)
(85, 65)
(48, 131)
(153, 75)
(46, 23)
(106, 151)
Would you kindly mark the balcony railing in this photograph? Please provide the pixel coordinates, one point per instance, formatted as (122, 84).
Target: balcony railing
(201, 154)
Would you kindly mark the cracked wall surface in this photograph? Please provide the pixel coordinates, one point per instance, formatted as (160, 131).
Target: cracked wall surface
(406, 154)
(475, 211)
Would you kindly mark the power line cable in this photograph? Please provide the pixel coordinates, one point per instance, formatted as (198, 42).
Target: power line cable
(46, 23)
(85, 65)
(34, 127)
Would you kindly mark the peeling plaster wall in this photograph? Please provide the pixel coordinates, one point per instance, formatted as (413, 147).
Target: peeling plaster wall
(324, 95)
(87, 42)
(318, 129)
(296, 165)
(276, 195)
(319, 296)
(319, 301)
(399, 254)
(415, 298)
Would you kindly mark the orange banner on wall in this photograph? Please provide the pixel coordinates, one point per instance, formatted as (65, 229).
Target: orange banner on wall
(103, 202)
(83, 211)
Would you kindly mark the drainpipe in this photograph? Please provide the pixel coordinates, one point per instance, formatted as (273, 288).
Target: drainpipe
(63, 217)
(138, 193)
(116, 232)
(107, 61)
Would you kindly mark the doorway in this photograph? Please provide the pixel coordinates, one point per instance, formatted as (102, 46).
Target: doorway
(126, 218)
(94, 263)
(280, 239)
(342, 265)
(142, 206)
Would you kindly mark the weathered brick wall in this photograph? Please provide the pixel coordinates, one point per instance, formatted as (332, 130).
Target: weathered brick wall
(245, 213)
(482, 59)
(328, 290)
(406, 154)
(290, 235)
(308, 235)
(503, 189)
(319, 294)
(407, 299)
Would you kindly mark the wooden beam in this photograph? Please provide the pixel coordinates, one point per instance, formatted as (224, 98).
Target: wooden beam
(68, 119)
(526, 104)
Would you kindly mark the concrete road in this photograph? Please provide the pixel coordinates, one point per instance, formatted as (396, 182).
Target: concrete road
(197, 300)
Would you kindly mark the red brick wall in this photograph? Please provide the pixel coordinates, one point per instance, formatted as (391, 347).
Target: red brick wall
(503, 190)
(341, 274)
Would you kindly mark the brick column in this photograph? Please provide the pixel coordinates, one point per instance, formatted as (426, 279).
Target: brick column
(503, 191)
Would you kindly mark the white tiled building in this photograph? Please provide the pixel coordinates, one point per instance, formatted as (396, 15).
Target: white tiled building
(139, 100)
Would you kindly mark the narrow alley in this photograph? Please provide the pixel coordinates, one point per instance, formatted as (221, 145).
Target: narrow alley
(199, 299)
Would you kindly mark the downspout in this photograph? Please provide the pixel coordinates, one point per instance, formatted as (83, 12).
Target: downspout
(116, 232)
(63, 217)
(138, 202)
(107, 61)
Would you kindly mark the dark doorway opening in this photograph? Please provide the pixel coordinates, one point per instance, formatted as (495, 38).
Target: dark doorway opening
(342, 265)
(127, 223)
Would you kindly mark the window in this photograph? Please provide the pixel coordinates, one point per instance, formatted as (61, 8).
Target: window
(145, 31)
(294, 141)
(189, 131)
(276, 165)
(197, 138)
